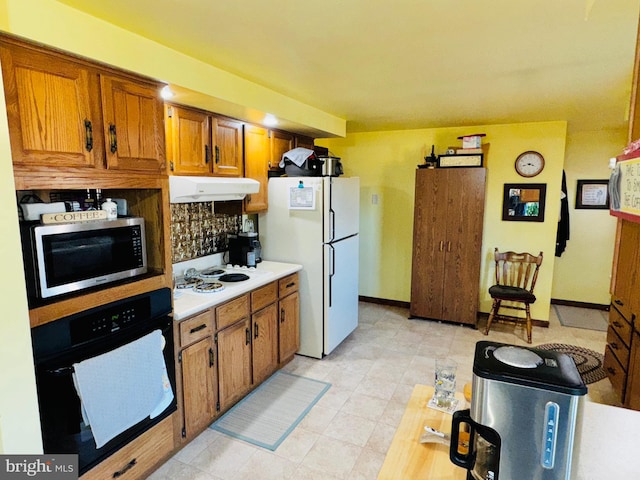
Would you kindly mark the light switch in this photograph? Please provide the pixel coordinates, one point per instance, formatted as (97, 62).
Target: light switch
(374, 199)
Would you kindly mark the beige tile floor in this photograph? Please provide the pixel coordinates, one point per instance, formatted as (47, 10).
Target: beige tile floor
(347, 433)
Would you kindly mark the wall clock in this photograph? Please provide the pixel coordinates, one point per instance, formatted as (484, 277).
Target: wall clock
(529, 164)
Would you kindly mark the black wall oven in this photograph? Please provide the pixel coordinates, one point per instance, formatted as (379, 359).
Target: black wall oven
(60, 344)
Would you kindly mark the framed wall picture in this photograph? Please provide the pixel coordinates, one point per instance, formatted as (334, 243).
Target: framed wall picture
(592, 194)
(524, 202)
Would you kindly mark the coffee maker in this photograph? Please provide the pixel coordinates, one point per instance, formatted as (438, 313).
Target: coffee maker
(525, 415)
(244, 248)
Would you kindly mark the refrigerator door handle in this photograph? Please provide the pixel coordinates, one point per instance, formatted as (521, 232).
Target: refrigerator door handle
(332, 216)
(332, 270)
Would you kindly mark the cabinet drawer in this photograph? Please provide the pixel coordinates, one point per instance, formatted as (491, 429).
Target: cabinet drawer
(263, 296)
(232, 311)
(195, 328)
(620, 325)
(619, 349)
(136, 459)
(287, 285)
(615, 372)
(623, 306)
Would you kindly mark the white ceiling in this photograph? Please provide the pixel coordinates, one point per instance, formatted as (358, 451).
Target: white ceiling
(399, 64)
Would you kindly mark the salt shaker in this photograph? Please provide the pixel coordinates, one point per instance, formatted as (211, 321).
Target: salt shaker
(111, 208)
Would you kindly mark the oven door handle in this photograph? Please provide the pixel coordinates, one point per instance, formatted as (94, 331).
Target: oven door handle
(60, 372)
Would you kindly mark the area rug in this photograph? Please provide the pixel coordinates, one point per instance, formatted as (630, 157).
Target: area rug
(589, 363)
(268, 414)
(589, 318)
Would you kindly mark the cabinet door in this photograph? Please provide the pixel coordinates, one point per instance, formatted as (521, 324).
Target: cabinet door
(133, 125)
(228, 147)
(52, 109)
(429, 242)
(465, 215)
(198, 385)
(189, 142)
(265, 342)
(234, 363)
(626, 269)
(256, 159)
(281, 143)
(632, 393)
(289, 327)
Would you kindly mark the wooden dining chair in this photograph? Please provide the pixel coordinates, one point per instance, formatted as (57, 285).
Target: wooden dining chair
(516, 275)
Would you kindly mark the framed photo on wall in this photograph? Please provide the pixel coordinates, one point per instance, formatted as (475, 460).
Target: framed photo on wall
(592, 194)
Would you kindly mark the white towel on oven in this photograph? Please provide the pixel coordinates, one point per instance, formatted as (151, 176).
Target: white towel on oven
(123, 387)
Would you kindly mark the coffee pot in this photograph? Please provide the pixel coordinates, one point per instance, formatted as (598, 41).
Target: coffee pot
(525, 415)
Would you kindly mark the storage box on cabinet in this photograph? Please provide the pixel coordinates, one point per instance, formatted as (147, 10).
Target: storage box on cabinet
(138, 458)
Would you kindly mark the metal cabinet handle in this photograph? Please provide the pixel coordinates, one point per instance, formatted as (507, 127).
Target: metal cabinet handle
(611, 370)
(113, 140)
(615, 323)
(217, 154)
(441, 246)
(619, 302)
(289, 285)
(127, 467)
(88, 135)
(247, 334)
(282, 315)
(198, 328)
(211, 357)
(614, 346)
(206, 154)
(448, 245)
(255, 330)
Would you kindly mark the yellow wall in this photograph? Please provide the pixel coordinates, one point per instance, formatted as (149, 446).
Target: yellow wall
(19, 421)
(582, 273)
(386, 163)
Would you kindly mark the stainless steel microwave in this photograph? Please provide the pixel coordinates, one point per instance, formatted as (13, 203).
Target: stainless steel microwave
(65, 258)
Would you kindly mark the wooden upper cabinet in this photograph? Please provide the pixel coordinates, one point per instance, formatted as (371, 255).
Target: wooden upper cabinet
(52, 109)
(188, 141)
(256, 151)
(67, 112)
(280, 143)
(227, 140)
(133, 124)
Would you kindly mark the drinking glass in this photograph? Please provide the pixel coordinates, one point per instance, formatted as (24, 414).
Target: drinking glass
(445, 382)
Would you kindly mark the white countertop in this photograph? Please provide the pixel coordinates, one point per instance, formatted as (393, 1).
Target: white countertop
(609, 444)
(187, 303)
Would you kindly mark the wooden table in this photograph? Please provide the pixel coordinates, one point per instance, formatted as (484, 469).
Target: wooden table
(407, 458)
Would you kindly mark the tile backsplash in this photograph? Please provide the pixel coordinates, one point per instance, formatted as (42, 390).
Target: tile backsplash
(196, 231)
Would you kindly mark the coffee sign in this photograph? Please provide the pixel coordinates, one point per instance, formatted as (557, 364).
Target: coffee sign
(67, 217)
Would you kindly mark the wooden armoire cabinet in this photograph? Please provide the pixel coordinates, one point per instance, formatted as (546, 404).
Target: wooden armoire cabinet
(447, 237)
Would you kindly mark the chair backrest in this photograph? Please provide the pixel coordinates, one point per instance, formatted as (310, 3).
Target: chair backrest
(517, 269)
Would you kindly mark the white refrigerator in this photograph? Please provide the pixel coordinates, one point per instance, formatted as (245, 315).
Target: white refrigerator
(314, 221)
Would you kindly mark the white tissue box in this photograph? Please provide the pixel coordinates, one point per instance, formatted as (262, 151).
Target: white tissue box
(33, 211)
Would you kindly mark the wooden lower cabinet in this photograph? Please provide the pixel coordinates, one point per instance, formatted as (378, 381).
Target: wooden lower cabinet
(198, 368)
(234, 362)
(289, 327)
(632, 393)
(199, 385)
(264, 343)
(138, 458)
